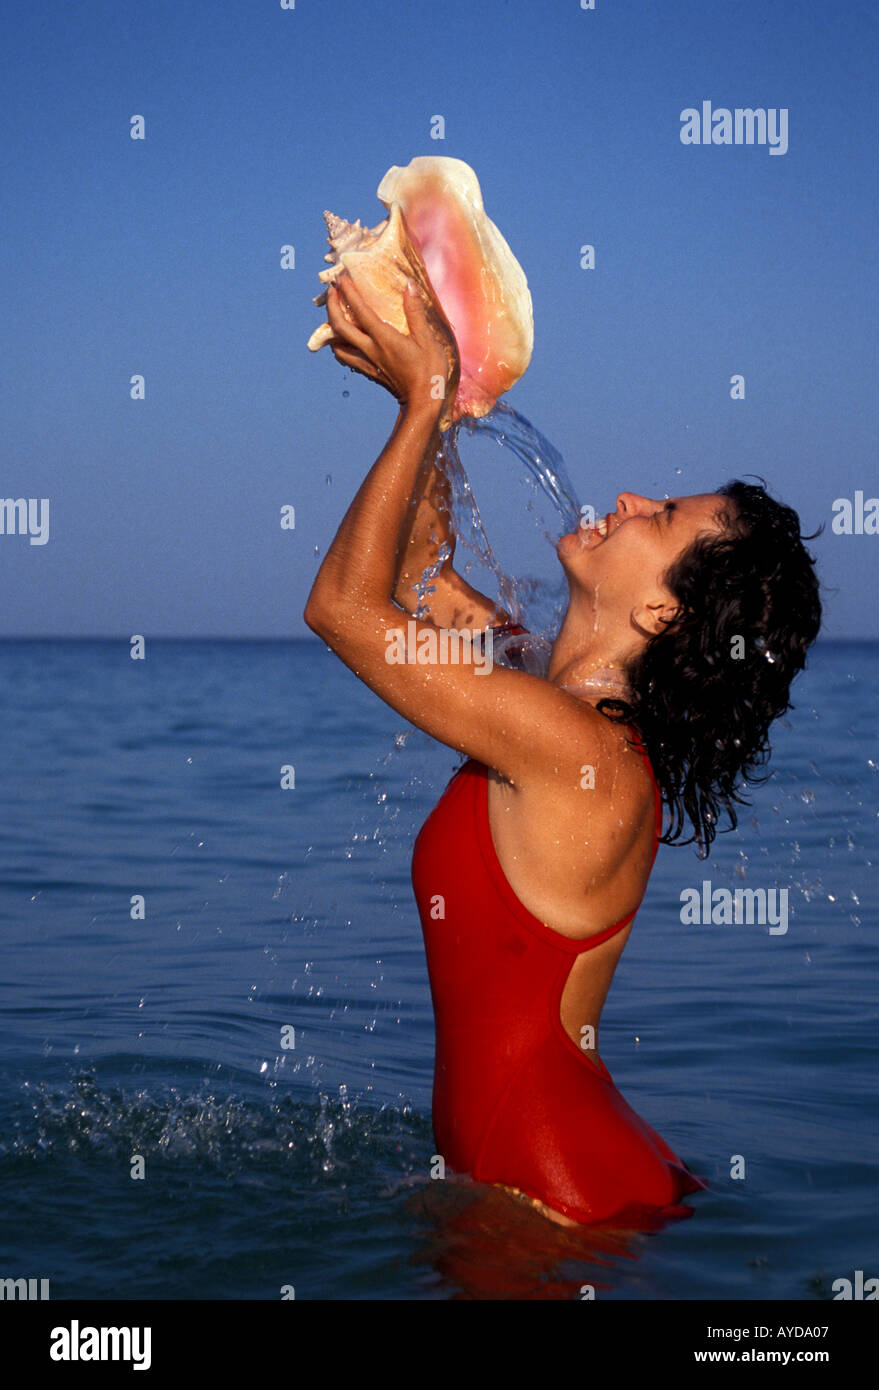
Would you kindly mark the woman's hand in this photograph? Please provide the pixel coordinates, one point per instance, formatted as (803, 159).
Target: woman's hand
(420, 369)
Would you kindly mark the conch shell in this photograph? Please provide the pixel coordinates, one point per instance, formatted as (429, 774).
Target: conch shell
(437, 233)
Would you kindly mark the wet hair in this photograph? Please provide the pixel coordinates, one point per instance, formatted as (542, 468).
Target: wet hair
(706, 689)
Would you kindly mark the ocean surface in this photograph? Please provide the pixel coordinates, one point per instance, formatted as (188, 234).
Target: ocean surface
(153, 1042)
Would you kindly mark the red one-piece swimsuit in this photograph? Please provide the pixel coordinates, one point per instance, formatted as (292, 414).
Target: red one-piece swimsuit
(515, 1101)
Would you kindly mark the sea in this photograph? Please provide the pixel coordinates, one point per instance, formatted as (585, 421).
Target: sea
(216, 1037)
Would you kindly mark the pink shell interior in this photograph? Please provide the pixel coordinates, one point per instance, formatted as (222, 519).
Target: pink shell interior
(480, 287)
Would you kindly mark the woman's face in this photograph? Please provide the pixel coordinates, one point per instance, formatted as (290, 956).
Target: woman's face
(624, 567)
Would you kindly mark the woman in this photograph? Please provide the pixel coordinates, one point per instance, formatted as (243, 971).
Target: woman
(687, 620)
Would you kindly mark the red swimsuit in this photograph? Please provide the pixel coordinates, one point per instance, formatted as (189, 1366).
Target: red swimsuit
(515, 1101)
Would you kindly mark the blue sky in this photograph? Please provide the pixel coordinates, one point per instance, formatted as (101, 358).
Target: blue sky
(162, 257)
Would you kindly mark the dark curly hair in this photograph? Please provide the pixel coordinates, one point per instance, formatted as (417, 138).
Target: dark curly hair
(707, 688)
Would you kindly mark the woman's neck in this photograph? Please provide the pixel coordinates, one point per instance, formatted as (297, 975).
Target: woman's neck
(604, 683)
(587, 664)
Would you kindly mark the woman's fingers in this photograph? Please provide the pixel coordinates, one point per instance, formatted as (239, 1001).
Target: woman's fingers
(343, 352)
(367, 318)
(350, 357)
(341, 326)
(430, 335)
(408, 364)
(414, 306)
(420, 329)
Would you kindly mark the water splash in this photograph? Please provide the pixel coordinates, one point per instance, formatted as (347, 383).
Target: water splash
(529, 601)
(425, 587)
(542, 460)
(263, 1131)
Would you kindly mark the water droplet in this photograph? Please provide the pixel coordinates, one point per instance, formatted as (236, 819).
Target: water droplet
(329, 480)
(346, 394)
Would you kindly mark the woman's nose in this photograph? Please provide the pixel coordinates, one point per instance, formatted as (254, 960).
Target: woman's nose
(630, 503)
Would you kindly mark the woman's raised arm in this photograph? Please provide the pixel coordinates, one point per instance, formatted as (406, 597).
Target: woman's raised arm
(449, 601)
(521, 725)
